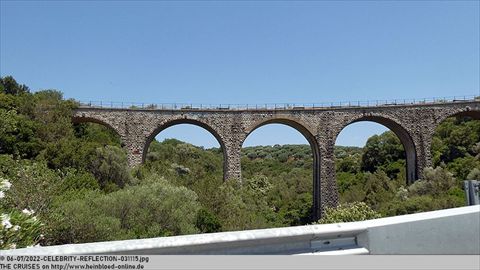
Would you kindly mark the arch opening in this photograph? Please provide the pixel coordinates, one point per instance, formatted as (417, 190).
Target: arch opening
(192, 149)
(381, 125)
(96, 130)
(101, 153)
(375, 158)
(285, 154)
(455, 152)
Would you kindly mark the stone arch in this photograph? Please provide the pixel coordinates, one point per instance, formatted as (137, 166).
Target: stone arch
(310, 137)
(293, 123)
(475, 114)
(86, 119)
(401, 132)
(195, 122)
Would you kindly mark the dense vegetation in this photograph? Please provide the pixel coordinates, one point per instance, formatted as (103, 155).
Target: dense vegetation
(70, 183)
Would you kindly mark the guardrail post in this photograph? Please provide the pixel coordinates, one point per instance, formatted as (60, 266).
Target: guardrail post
(472, 192)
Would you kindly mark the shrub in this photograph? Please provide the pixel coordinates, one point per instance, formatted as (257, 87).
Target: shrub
(33, 186)
(109, 165)
(474, 174)
(378, 189)
(207, 222)
(349, 212)
(153, 209)
(17, 229)
(434, 182)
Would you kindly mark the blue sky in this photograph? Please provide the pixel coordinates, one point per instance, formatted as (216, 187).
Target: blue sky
(244, 52)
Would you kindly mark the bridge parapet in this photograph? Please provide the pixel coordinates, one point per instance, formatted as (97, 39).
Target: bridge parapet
(278, 106)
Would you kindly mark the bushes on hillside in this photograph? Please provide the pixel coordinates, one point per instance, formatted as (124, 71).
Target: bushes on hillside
(349, 212)
(109, 166)
(18, 229)
(154, 209)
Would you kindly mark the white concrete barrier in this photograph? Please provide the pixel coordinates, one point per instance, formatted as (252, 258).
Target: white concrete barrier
(450, 231)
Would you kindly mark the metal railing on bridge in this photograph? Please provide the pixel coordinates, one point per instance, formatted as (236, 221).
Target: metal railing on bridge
(276, 106)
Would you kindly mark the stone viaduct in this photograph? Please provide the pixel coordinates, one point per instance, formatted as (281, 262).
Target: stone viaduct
(414, 124)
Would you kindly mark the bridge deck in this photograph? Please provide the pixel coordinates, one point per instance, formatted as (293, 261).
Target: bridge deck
(278, 106)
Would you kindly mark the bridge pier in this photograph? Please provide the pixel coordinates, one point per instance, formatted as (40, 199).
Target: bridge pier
(232, 158)
(325, 193)
(424, 156)
(135, 154)
(135, 141)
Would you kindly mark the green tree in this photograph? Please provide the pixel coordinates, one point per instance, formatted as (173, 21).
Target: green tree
(381, 150)
(18, 135)
(109, 166)
(350, 163)
(207, 222)
(378, 189)
(10, 86)
(53, 115)
(456, 137)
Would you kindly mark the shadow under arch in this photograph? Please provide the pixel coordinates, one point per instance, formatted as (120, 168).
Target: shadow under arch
(470, 113)
(405, 139)
(315, 150)
(194, 122)
(82, 119)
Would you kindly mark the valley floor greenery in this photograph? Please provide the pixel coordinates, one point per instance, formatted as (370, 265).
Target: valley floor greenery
(70, 183)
